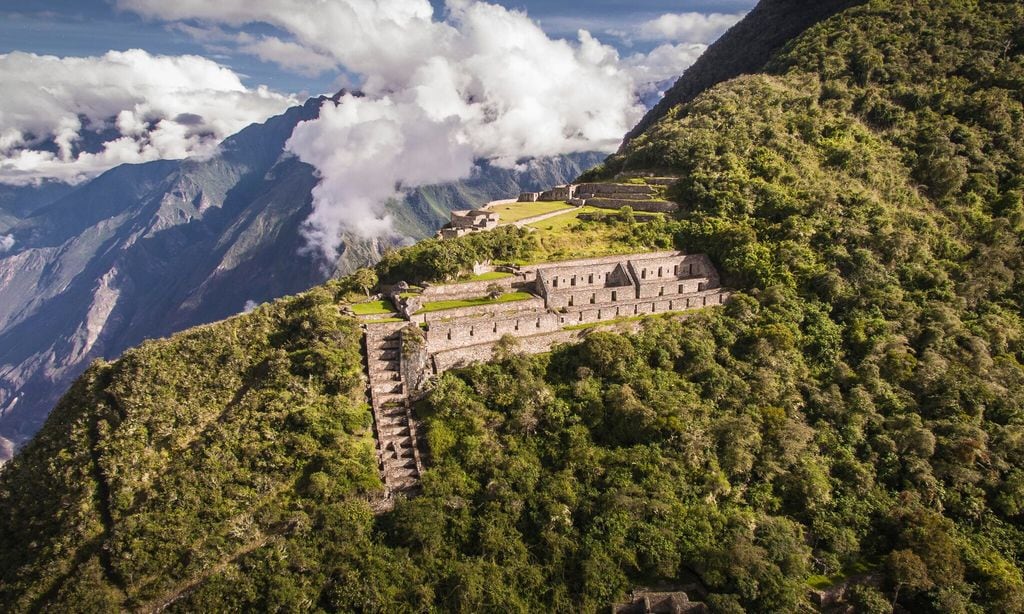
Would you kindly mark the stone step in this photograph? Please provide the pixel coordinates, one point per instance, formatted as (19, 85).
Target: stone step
(387, 388)
(385, 399)
(405, 485)
(390, 423)
(384, 367)
(393, 411)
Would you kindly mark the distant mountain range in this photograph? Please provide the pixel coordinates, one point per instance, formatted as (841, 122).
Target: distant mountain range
(146, 250)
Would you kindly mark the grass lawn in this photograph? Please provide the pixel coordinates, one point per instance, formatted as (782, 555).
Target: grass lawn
(373, 308)
(519, 211)
(511, 297)
(565, 237)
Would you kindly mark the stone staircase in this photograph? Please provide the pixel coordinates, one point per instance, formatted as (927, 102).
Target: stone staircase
(398, 454)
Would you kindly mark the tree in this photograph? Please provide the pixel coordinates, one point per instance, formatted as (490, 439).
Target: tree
(365, 279)
(907, 570)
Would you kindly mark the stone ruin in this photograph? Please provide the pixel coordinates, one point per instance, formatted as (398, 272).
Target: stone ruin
(466, 222)
(567, 300)
(648, 602)
(643, 197)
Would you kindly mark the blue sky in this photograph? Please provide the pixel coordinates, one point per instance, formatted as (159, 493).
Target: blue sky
(92, 27)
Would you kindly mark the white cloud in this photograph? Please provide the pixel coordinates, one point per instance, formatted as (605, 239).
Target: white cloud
(481, 82)
(685, 27)
(485, 82)
(158, 107)
(6, 243)
(286, 54)
(664, 63)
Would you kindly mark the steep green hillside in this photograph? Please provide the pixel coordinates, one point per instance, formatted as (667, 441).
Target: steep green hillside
(857, 409)
(157, 471)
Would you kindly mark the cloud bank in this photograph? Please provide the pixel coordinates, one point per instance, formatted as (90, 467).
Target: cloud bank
(686, 27)
(483, 82)
(73, 118)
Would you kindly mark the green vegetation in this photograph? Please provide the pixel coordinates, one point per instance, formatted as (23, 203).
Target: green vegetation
(371, 308)
(520, 211)
(195, 460)
(446, 261)
(508, 297)
(492, 276)
(858, 406)
(566, 237)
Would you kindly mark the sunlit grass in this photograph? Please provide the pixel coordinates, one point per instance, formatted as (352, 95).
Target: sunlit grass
(511, 297)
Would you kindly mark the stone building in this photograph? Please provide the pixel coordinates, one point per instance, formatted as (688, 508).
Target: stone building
(558, 193)
(466, 222)
(619, 280)
(567, 295)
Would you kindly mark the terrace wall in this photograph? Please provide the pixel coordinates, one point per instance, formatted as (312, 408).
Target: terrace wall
(493, 310)
(463, 350)
(472, 289)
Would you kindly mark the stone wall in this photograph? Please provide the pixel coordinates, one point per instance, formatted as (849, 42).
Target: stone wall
(580, 297)
(671, 287)
(675, 266)
(473, 289)
(562, 192)
(444, 336)
(457, 336)
(493, 310)
(563, 280)
(460, 356)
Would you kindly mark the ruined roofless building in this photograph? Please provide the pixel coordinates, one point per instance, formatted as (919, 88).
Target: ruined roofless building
(467, 222)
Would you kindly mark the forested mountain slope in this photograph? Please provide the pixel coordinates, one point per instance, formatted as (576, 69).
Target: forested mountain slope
(147, 250)
(744, 49)
(855, 413)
